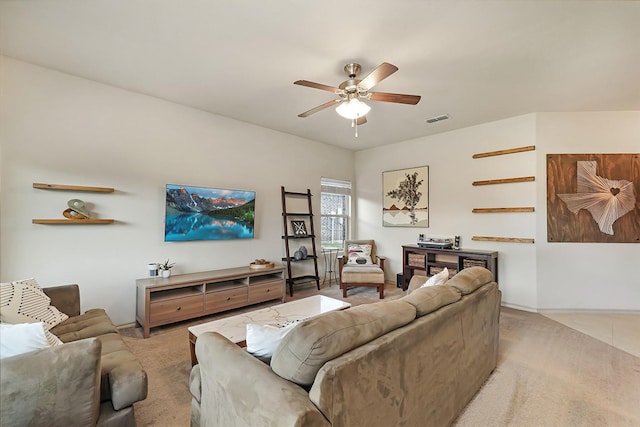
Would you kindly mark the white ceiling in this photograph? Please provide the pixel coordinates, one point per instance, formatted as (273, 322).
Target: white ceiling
(477, 61)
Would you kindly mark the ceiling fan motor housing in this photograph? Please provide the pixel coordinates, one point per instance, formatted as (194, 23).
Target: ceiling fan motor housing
(351, 86)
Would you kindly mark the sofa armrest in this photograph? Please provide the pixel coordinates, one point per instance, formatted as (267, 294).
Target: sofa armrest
(381, 260)
(239, 390)
(57, 385)
(65, 298)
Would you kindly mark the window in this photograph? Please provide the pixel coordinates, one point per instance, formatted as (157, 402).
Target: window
(335, 212)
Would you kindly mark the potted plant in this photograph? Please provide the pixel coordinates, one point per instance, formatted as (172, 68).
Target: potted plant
(165, 268)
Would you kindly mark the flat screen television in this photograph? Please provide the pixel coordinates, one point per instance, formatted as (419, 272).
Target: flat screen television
(201, 213)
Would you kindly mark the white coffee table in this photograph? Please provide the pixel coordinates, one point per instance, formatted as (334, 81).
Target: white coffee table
(235, 327)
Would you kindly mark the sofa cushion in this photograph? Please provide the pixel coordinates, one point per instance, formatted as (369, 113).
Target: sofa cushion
(23, 301)
(470, 279)
(430, 298)
(365, 273)
(93, 323)
(312, 343)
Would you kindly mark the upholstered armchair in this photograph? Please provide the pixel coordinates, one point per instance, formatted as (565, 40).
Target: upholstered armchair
(360, 265)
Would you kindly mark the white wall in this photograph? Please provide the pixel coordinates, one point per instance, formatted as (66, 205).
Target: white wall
(591, 276)
(452, 197)
(60, 129)
(540, 276)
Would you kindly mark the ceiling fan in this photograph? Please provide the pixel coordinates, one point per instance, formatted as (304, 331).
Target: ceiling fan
(351, 92)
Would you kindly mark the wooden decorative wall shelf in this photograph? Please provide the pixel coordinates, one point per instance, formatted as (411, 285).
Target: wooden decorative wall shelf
(500, 210)
(86, 221)
(501, 152)
(505, 180)
(71, 221)
(502, 239)
(72, 188)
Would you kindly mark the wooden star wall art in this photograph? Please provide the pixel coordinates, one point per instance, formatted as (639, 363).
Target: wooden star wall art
(593, 198)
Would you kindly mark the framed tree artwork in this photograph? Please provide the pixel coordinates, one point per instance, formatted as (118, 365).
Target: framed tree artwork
(405, 197)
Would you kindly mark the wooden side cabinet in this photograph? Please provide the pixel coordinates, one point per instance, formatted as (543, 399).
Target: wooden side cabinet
(430, 261)
(160, 301)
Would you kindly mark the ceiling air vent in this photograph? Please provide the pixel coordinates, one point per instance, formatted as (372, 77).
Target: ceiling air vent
(438, 118)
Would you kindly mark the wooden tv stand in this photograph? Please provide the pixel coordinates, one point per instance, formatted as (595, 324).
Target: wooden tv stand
(160, 301)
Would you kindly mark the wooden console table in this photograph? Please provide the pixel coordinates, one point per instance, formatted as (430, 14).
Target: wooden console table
(160, 301)
(429, 261)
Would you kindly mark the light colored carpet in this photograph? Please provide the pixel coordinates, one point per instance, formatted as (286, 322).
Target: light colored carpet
(547, 374)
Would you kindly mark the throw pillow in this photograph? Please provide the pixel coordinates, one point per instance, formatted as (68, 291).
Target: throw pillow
(262, 340)
(437, 279)
(359, 254)
(21, 338)
(24, 301)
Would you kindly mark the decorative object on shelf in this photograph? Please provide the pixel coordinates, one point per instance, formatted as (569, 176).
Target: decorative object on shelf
(297, 255)
(78, 206)
(405, 195)
(153, 269)
(299, 228)
(304, 251)
(199, 213)
(593, 198)
(165, 268)
(436, 242)
(261, 263)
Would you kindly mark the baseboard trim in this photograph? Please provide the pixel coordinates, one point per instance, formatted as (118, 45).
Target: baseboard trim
(519, 307)
(568, 310)
(126, 325)
(585, 311)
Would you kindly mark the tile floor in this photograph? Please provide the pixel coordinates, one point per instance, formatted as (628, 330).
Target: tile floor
(621, 330)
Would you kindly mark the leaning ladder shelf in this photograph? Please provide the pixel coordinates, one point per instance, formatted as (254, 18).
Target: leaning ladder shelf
(287, 237)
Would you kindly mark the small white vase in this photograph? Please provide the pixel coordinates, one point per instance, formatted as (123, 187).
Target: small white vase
(166, 273)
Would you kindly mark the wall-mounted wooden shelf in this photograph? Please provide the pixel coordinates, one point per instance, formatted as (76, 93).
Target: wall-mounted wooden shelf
(72, 188)
(501, 210)
(502, 152)
(63, 187)
(502, 239)
(71, 221)
(505, 180)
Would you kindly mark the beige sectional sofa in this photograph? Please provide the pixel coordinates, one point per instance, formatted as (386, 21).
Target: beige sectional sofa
(91, 379)
(415, 361)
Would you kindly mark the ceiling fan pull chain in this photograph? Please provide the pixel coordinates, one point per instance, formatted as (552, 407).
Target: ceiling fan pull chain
(354, 123)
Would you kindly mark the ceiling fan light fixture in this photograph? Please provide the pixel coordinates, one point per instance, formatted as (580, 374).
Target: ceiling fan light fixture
(353, 109)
